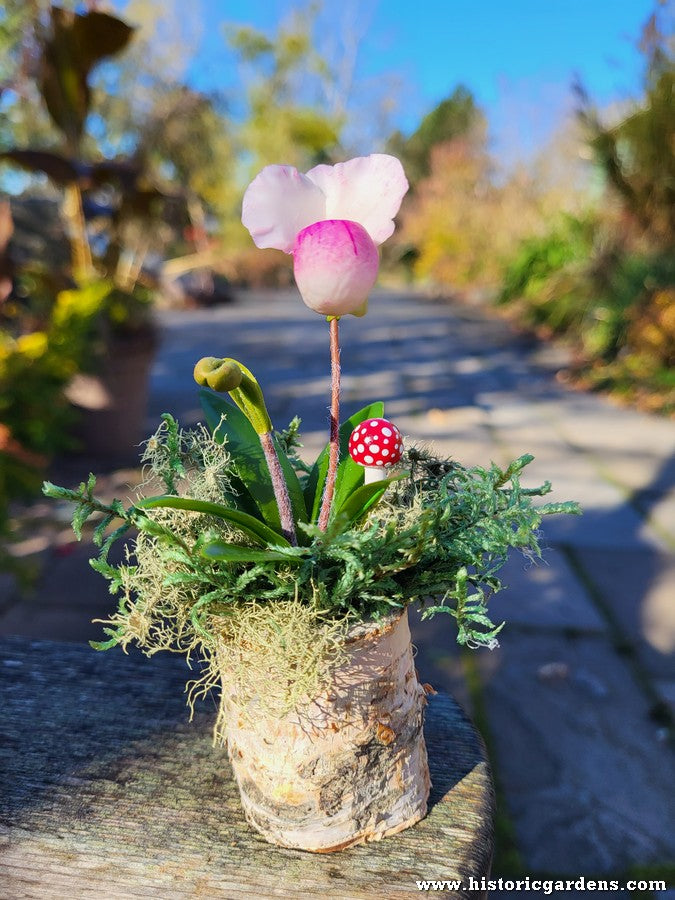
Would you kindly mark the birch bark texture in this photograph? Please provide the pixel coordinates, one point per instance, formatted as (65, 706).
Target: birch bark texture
(348, 768)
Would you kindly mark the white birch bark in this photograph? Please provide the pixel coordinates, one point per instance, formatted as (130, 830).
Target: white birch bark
(352, 767)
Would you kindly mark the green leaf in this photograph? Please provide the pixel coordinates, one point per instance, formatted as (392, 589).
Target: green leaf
(98, 35)
(99, 531)
(110, 540)
(365, 497)
(515, 467)
(566, 507)
(292, 482)
(227, 422)
(241, 498)
(110, 572)
(317, 476)
(49, 489)
(76, 44)
(247, 452)
(149, 526)
(255, 529)
(222, 552)
(103, 645)
(349, 478)
(115, 636)
(80, 516)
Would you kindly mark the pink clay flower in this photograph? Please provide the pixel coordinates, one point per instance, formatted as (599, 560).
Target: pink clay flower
(332, 219)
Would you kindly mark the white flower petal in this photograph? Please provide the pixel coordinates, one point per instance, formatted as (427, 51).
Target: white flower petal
(367, 190)
(278, 204)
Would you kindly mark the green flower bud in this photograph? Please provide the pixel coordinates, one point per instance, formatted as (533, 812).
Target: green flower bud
(220, 374)
(228, 375)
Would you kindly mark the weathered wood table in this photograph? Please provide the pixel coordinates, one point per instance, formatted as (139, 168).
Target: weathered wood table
(107, 791)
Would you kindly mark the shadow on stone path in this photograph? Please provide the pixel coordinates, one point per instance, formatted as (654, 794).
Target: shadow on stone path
(577, 696)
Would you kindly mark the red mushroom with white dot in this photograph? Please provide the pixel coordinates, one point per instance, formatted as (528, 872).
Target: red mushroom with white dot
(377, 445)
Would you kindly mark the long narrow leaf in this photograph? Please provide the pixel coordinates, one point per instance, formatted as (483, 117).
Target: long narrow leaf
(317, 476)
(358, 503)
(222, 552)
(227, 421)
(349, 478)
(255, 529)
(292, 482)
(241, 498)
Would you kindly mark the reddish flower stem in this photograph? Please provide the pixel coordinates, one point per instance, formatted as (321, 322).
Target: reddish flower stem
(334, 451)
(280, 488)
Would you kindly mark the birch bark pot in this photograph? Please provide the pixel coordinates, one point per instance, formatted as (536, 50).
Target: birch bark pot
(352, 765)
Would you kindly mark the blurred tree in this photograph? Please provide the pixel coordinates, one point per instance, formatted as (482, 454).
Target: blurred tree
(462, 221)
(605, 277)
(135, 109)
(15, 19)
(66, 47)
(23, 117)
(636, 155)
(284, 81)
(182, 136)
(285, 114)
(453, 117)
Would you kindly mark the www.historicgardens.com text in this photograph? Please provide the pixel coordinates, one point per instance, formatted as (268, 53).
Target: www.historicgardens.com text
(545, 886)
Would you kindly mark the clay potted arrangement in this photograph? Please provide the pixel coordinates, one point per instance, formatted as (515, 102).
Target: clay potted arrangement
(291, 582)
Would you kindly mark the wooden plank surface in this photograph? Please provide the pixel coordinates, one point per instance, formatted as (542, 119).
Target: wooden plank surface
(107, 791)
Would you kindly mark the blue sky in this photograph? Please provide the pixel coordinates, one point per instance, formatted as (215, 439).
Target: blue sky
(519, 57)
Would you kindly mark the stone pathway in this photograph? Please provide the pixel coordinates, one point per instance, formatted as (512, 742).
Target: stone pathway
(576, 700)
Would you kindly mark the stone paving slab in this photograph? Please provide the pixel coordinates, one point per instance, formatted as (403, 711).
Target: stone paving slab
(587, 778)
(660, 512)
(665, 689)
(639, 589)
(589, 421)
(602, 526)
(416, 356)
(438, 657)
(68, 596)
(613, 462)
(544, 594)
(9, 591)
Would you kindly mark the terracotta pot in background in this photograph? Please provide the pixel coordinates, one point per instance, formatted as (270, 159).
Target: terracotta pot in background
(113, 402)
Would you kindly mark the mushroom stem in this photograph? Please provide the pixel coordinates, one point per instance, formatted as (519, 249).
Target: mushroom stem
(374, 473)
(334, 450)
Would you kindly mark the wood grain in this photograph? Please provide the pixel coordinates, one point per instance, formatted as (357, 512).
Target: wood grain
(107, 790)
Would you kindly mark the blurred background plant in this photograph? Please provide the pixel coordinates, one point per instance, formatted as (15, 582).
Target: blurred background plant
(606, 280)
(60, 311)
(77, 291)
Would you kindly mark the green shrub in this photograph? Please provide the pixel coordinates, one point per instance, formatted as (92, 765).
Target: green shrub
(542, 271)
(615, 305)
